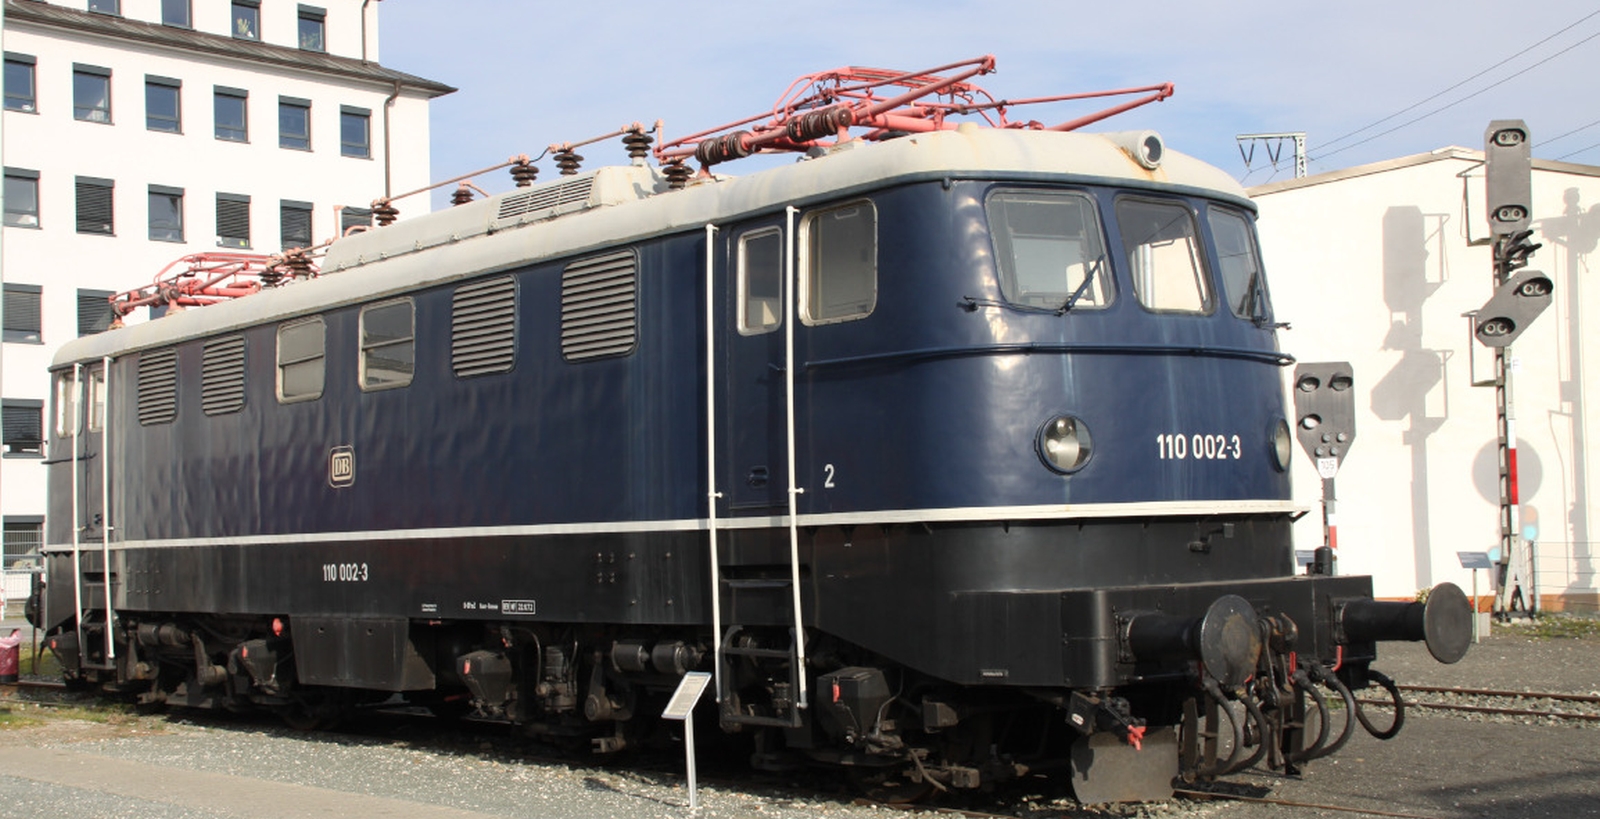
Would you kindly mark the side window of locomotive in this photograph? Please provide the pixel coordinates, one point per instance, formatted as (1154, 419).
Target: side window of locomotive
(300, 361)
(388, 348)
(1049, 249)
(760, 281)
(839, 260)
(1163, 252)
(66, 404)
(1238, 265)
(483, 327)
(97, 398)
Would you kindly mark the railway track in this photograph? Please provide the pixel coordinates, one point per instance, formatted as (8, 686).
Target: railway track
(1576, 708)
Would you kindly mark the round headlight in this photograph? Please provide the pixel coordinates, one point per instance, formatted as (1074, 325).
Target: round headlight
(1282, 445)
(1064, 444)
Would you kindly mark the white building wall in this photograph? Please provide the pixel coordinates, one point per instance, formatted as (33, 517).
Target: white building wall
(1373, 266)
(51, 142)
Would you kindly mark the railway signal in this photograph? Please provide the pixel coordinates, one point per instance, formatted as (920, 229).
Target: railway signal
(1325, 423)
(1518, 299)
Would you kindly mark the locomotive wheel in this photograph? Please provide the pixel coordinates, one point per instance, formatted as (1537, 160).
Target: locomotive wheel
(891, 786)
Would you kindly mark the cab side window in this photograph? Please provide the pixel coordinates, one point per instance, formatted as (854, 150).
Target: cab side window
(839, 263)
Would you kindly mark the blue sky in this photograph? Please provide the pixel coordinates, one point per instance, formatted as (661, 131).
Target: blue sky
(533, 73)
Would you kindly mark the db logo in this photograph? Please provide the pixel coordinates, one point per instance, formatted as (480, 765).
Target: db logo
(341, 466)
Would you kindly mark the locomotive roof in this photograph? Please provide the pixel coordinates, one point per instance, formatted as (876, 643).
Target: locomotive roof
(614, 206)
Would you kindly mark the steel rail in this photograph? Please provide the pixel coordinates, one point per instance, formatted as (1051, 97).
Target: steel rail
(1486, 709)
(1290, 803)
(1491, 692)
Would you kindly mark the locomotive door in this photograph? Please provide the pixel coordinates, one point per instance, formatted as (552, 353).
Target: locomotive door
(754, 395)
(84, 419)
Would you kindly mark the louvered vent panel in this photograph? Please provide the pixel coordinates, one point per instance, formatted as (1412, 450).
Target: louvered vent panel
(222, 377)
(483, 327)
(158, 387)
(599, 307)
(545, 198)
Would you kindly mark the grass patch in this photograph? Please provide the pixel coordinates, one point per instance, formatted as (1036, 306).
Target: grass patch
(1554, 627)
(10, 719)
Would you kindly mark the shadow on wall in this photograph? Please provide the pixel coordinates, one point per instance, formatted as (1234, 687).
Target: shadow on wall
(1572, 236)
(1413, 390)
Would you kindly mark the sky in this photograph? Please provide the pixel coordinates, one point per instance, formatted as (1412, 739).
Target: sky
(1364, 80)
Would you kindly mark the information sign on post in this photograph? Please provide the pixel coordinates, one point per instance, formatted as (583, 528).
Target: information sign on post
(681, 708)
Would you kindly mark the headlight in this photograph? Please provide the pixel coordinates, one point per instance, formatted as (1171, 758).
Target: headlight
(1064, 444)
(1282, 445)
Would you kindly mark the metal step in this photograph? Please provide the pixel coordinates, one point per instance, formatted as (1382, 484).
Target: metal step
(729, 650)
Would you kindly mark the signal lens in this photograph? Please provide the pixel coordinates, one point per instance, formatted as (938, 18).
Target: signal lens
(1064, 444)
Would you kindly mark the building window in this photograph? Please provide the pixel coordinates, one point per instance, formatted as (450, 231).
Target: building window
(312, 21)
(760, 281)
(839, 263)
(23, 424)
(176, 13)
(22, 198)
(294, 123)
(233, 123)
(1163, 252)
(22, 313)
(388, 354)
(355, 132)
(294, 224)
(162, 110)
(166, 214)
(353, 216)
(21, 92)
(24, 536)
(247, 19)
(94, 311)
(91, 93)
(233, 220)
(106, 6)
(94, 198)
(300, 360)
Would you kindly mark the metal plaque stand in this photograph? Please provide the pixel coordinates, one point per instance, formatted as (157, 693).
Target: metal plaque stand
(681, 708)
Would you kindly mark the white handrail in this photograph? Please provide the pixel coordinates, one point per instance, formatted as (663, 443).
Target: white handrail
(105, 494)
(76, 394)
(789, 319)
(711, 459)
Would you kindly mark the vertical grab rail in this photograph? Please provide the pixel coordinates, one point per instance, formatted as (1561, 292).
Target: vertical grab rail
(74, 392)
(105, 495)
(711, 460)
(789, 318)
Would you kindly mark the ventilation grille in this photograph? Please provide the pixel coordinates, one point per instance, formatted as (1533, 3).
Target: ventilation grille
(483, 327)
(222, 376)
(158, 387)
(546, 198)
(599, 307)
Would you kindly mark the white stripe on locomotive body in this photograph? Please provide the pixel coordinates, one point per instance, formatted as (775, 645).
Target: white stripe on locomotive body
(628, 204)
(1017, 514)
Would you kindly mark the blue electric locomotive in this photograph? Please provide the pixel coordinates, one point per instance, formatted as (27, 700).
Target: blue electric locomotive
(954, 451)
